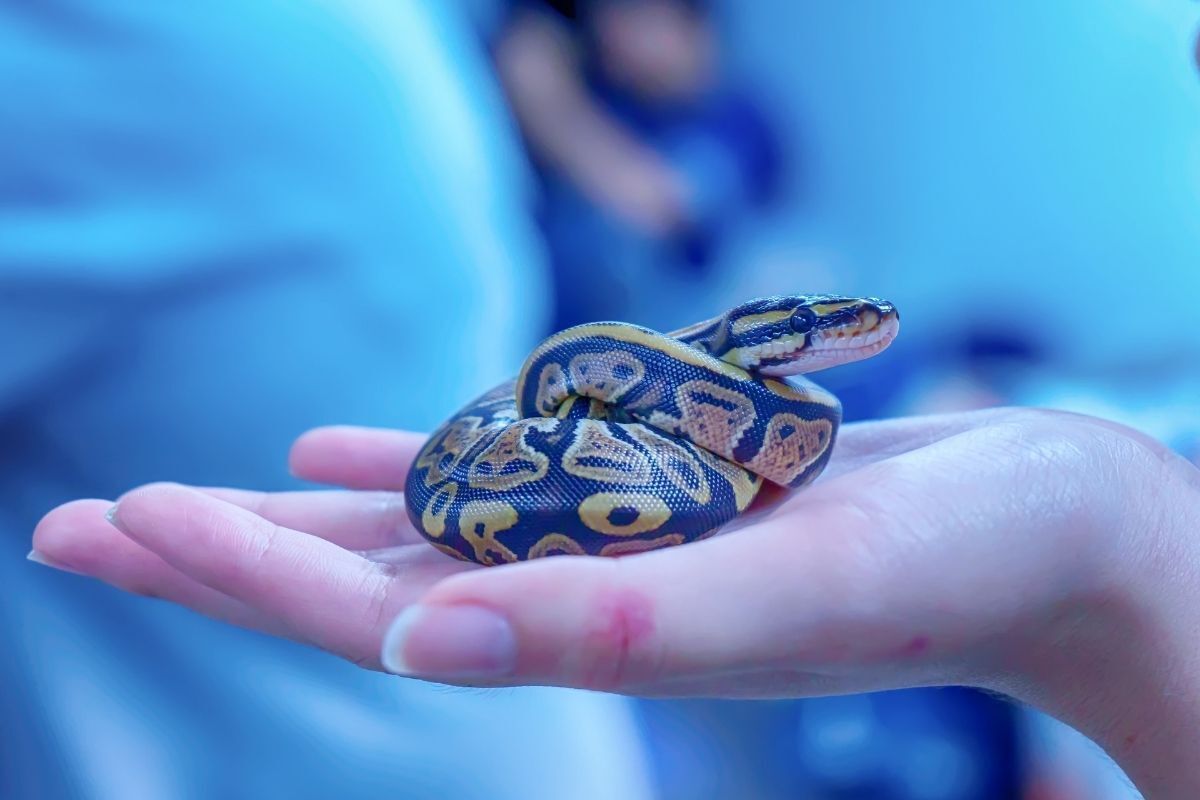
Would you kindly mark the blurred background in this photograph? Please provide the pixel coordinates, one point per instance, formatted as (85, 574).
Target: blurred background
(219, 230)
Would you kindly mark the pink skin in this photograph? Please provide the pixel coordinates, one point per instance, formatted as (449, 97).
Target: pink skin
(1051, 557)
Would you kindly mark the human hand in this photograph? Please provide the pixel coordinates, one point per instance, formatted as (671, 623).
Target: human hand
(637, 186)
(1042, 555)
(1047, 556)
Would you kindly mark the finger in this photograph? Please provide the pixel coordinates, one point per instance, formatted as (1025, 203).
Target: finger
(327, 595)
(635, 624)
(353, 520)
(357, 458)
(78, 538)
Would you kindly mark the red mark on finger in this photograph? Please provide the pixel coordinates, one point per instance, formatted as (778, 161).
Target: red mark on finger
(615, 645)
(916, 646)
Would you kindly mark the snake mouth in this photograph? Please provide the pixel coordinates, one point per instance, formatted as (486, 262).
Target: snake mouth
(867, 332)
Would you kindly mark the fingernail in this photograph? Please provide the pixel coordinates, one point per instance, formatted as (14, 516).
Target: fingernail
(113, 519)
(39, 557)
(450, 642)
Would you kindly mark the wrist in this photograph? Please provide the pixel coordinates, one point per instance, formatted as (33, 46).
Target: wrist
(1118, 656)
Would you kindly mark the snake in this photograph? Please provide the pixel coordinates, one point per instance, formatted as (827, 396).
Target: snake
(615, 439)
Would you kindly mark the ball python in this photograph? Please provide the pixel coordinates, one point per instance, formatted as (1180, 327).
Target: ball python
(616, 439)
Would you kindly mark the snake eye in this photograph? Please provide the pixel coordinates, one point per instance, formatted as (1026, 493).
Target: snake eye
(803, 320)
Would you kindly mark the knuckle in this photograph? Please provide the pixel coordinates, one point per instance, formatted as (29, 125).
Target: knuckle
(264, 545)
(378, 611)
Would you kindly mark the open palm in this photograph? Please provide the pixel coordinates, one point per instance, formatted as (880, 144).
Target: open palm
(1048, 556)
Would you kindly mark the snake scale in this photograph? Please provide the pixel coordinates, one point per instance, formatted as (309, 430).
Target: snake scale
(616, 439)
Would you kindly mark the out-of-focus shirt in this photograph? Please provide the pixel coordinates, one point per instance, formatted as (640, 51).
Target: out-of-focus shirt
(219, 227)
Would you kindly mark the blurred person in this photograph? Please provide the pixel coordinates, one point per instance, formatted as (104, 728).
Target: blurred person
(1047, 556)
(647, 148)
(218, 228)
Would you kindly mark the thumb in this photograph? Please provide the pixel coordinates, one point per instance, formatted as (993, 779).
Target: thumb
(795, 598)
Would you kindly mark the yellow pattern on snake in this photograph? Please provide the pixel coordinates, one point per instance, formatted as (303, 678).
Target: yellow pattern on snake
(615, 439)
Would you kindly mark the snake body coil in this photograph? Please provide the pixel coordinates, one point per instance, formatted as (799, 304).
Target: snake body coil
(616, 439)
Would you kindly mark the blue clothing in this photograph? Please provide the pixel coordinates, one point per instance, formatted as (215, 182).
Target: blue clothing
(219, 228)
(722, 146)
(719, 142)
(723, 149)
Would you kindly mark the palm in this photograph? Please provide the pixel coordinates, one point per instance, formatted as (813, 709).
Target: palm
(335, 568)
(330, 568)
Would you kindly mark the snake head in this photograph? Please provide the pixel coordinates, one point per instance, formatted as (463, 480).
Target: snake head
(792, 334)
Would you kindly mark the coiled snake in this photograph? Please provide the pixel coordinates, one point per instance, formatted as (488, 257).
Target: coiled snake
(616, 439)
